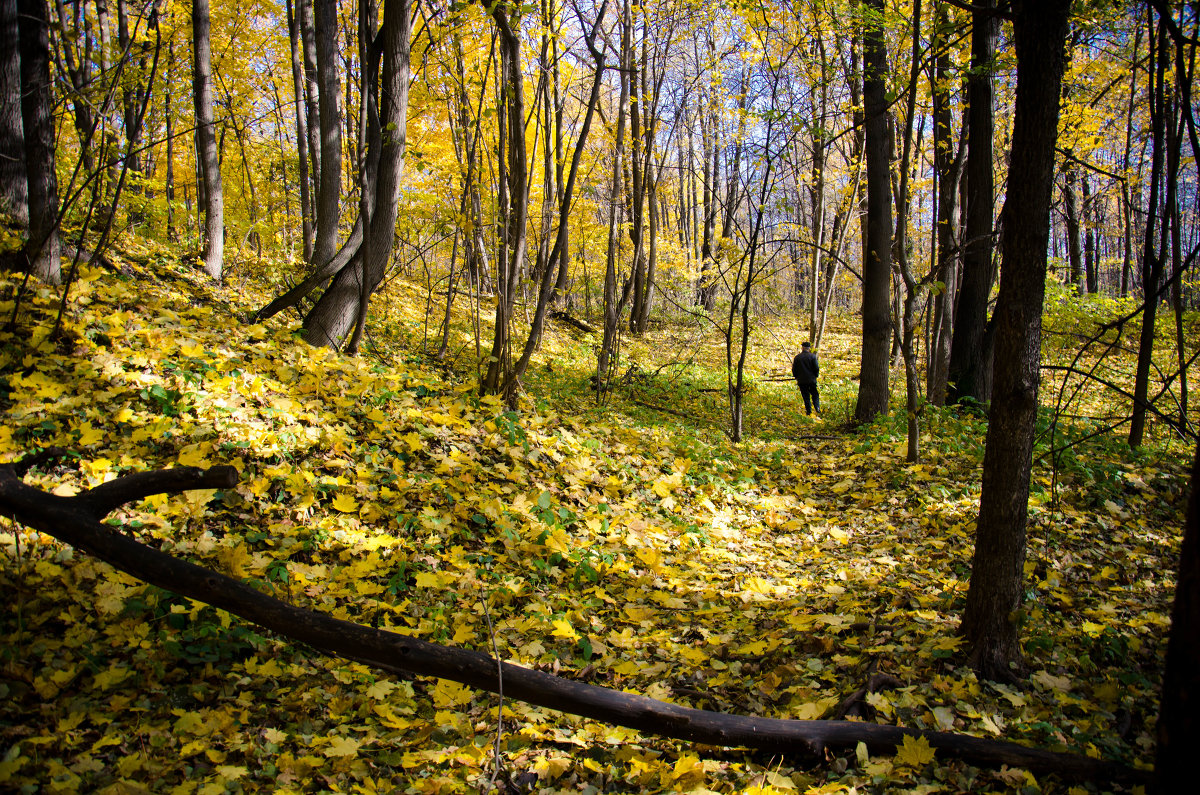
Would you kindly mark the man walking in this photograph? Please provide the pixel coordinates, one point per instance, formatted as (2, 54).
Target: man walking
(805, 369)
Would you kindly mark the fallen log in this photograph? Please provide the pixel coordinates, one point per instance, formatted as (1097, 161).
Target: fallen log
(563, 317)
(76, 521)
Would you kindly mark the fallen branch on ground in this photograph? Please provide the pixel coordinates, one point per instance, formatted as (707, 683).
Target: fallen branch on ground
(563, 317)
(76, 521)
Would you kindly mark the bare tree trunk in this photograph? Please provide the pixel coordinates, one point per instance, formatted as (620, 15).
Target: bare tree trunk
(334, 316)
(873, 390)
(37, 105)
(1072, 213)
(1153, 250)
(908, 312)
(558, 252)
(516, 186)
(298, 87)
(1178, 728)
(613, 304)
(329, 102)
(948, 166)
(969, 349)
(14, 185)
(212, 257)
(992, 617)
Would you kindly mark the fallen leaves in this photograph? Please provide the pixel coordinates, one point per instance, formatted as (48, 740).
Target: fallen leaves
(772, 578)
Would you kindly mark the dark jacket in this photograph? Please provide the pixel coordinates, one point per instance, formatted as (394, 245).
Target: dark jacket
(805, 368)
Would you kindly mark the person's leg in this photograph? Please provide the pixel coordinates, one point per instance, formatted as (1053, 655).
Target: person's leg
(816, 396)
(804, 390)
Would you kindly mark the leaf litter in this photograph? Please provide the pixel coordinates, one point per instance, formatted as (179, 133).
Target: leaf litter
(772, 578)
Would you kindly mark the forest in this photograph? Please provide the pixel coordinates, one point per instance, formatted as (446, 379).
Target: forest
(399, 397)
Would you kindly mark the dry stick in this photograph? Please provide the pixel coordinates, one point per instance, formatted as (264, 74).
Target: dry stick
(75, 520)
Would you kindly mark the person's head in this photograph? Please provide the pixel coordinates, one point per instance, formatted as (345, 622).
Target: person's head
(806, 345)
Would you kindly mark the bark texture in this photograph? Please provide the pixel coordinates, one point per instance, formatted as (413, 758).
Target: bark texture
(873, 391)
(213, 255)
(14, 190)
(970, 359)
(1179, 711)
(37, 106)
(992, 617)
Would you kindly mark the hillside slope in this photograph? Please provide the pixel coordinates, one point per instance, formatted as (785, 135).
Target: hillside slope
(620, 545)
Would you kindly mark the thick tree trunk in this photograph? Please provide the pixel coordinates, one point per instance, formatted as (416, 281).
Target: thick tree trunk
(992, 616)
(1178, 726)
(969, 348)
(873, 390)
(333, 317)
(37, 107)
(329, 189)
(14, 185)
(213, 254)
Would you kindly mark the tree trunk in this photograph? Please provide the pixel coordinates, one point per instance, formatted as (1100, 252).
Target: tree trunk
(558, 252)
(329, 102)
(37, 108)
(1178, 728)
(992, 616)
(1153, 250)
(14, 185)
(298, 88)
(873, 391)
(969, 349)
(333, 317)
(515, 186)
(213, 255)
(614, 305)
(1071, 213)
(947, 165)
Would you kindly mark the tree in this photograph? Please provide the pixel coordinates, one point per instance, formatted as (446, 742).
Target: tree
(329, 186)
(37, 105)
(513, 198)
(1178, 726)
(873, 391)
(1154, 240)
(333, 318)
(948, 168)
(213, 255)
(970, 361)
(992, 617)
(14, 188)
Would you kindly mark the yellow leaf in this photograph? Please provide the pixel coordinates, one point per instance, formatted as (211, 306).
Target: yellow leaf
(914, 752)
(649, 556)
(274, 735)
(563, 629)
(451, 694)
(343, 746)
(89, 434)
(345, 503)
(687, 773)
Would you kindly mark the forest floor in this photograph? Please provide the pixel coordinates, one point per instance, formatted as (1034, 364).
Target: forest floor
(628, 544)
